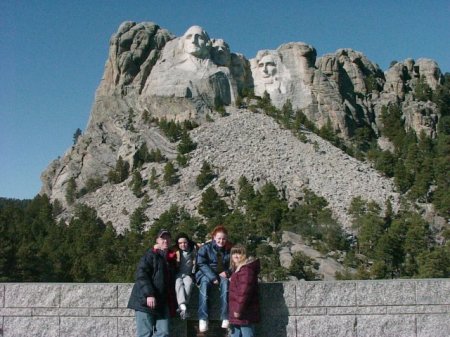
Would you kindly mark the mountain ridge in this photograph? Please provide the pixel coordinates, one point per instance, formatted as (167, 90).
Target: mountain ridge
(344, 90)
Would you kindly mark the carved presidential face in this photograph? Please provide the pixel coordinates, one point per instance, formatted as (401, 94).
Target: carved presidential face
(220, 53)
(267, 68)
(196, 42)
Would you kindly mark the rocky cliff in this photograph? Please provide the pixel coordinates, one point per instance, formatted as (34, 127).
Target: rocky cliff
(150, 72)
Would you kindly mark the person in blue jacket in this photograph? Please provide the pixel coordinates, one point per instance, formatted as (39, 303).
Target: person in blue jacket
(213, 263)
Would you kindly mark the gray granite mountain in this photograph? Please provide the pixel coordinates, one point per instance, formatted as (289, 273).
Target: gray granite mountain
(151, 72)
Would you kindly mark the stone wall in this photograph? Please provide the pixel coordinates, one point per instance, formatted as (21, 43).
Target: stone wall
(401, 308)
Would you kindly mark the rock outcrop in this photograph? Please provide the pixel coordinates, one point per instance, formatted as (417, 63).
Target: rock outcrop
(289, 74)
(150, 73)
(133, 51)
(293, 243)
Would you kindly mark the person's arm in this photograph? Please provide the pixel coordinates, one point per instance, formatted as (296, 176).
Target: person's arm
(203, 264)
(144, 280)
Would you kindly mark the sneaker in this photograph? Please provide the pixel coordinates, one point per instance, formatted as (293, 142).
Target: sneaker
(225, 324)
(203, 325)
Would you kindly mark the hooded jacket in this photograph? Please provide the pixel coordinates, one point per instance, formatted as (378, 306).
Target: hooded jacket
(154, 278)
(207, 261)
(243, 293)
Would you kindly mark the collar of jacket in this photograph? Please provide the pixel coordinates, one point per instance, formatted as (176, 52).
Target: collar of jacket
(248, 260)
(216, 247)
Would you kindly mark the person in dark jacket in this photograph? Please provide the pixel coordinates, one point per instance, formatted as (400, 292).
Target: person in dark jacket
(213, 263)
(153, 294)
(243, 300)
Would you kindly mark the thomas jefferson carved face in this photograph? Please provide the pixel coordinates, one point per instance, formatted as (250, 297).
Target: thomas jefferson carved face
(196, 42)
(267, 68)
(220, 52)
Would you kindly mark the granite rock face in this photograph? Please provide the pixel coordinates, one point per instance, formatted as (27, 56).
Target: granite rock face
(188, 69)
(150, 73)
(293, 243)
(350, 69)
(399, 89)
(249, 144)
(289, 73)
(133, 50)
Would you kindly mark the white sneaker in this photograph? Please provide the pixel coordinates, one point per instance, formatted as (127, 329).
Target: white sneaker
(203, 325)
(225, 324)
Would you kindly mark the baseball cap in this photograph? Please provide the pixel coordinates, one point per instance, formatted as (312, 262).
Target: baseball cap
(163, 232)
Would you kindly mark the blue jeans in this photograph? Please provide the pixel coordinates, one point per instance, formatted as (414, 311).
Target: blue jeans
(148, 325)
(242, 330)
(205, 285)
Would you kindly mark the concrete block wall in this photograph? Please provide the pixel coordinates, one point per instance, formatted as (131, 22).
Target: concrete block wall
(400, 308)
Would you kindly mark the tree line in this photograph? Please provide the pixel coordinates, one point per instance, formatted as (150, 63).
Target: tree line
(36, 247)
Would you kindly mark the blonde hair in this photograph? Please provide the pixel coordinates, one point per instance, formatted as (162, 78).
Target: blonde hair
(238, 249)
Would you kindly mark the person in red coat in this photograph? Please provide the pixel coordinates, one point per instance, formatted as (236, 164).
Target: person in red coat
(243, 300)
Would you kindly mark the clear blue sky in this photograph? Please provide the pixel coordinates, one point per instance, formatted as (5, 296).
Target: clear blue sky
(52, 55)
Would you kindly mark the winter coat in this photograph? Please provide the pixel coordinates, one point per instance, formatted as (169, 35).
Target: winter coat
(186, 260)
(155, 277)
(207, 261)
(243, 293)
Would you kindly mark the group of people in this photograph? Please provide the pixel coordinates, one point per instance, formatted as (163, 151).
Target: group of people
(165, 278)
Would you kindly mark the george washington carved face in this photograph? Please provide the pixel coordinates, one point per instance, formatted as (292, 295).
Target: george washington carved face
(196, 42)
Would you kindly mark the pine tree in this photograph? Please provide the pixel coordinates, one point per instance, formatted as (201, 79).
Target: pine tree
(211, 205)
(369, 224)
(206, 175)
(11, 215)
(246, 191)
(287, 113)
(92, 184)
(137, 183)
(138, 219)
(120, 173)
(71, 191)
(186, 144)
(76, 135)
(152, 182)
(434, 263)
(82, 245)
(302, 267)
(156, 156)
(422, 91)
(141, 156)
(272, 210)
(393, 124)
(170, 174)
(417, 240)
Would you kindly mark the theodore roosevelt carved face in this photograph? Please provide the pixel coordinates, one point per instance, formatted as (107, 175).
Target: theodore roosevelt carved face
(196, 42)
(220, 52)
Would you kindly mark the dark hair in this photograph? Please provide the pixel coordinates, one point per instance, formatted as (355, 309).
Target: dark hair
(191, 244)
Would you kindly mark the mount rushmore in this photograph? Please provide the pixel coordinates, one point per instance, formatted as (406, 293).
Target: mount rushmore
(151, 72)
